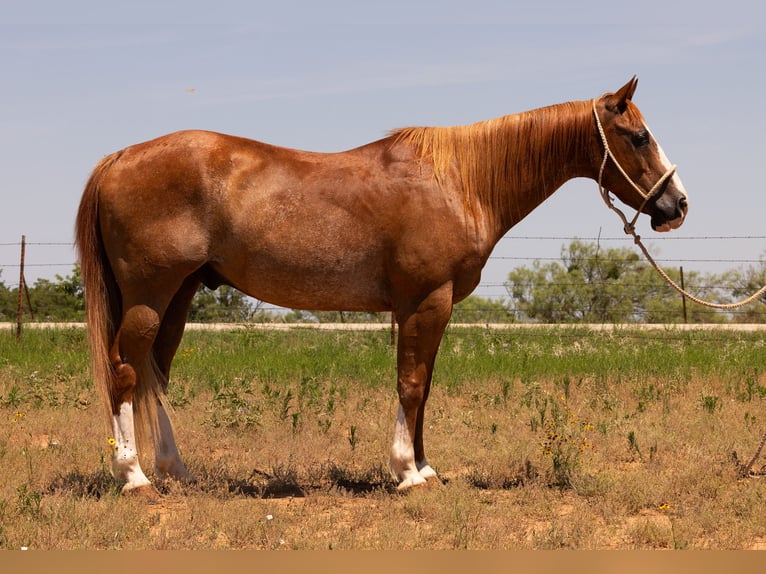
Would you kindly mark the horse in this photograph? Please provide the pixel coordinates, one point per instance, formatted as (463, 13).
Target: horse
(404, 225)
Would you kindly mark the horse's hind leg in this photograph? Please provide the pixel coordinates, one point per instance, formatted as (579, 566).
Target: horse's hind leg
(168, 459)
(128, 354)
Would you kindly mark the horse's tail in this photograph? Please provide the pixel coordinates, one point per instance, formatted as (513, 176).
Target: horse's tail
(102, 300)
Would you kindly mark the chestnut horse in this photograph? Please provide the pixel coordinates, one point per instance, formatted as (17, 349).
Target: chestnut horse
(404, 224)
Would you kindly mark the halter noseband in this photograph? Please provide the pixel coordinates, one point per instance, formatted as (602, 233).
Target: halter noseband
(629, 226)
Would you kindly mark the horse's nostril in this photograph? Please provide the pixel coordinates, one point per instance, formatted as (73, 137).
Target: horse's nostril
(683, 204)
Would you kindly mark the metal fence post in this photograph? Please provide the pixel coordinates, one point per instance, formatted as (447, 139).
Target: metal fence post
(20, 307)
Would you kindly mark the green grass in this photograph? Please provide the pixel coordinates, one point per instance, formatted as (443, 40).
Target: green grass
(546, 438)
(277, 357)
(367, 359)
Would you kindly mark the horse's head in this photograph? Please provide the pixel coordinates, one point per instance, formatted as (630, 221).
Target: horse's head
(636, 169)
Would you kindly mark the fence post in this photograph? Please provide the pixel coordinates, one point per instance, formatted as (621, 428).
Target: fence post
(683, 297)
(20, 307)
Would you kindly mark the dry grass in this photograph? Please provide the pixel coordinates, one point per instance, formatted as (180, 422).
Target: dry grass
(629, 460)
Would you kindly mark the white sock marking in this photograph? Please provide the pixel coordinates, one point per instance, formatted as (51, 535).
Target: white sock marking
(125, 465)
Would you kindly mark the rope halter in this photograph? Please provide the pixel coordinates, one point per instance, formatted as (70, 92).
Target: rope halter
(629, 227)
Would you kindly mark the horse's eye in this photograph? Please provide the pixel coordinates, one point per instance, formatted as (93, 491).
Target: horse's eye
(640, 138)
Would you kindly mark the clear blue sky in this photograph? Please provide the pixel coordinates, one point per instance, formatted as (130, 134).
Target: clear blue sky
(81, 79)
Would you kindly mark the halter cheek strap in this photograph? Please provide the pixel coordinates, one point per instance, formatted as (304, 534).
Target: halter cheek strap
(629, 226)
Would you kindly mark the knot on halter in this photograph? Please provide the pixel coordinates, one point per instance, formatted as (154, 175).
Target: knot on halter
(630, 229)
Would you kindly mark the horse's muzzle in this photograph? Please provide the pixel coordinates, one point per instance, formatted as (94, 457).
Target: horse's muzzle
(662, 222)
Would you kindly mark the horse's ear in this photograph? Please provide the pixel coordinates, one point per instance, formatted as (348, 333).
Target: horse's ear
(619, 100)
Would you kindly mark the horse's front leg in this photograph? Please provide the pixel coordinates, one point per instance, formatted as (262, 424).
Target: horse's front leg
(420, 333)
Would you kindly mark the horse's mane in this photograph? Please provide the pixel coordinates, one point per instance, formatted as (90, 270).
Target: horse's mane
(508, 161)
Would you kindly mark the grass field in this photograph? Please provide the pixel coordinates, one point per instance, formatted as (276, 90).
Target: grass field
(545, 438)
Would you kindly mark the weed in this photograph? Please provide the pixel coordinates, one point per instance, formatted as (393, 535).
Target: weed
(324, 425)
(296, 421)
(750, 388)
(28, 502)
(463, 524)
(505, 390)
(13, 399)
(565, 442)
(633, 444)
(646, 395)
(284, 407)
(233, 407)
(710, 403)
(180, 394)
(535, 399)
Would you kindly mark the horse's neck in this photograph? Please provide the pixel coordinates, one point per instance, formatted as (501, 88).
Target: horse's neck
(543, 149)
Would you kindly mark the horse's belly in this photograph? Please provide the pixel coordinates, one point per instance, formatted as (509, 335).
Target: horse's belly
(320, 284)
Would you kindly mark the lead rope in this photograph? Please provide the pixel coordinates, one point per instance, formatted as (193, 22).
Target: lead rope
(745, 470)
(630, 229)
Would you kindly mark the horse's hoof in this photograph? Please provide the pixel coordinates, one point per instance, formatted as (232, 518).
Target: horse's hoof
(411, 482)
(428, 473)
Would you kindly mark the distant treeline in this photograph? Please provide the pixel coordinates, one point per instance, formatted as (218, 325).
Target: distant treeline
(588, 284)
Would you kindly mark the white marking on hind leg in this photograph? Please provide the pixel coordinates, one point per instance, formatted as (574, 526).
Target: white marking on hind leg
(125, 465)
(402, 459)
(168, 459)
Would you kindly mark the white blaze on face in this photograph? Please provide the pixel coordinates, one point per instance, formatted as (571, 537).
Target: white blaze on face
(675, 180)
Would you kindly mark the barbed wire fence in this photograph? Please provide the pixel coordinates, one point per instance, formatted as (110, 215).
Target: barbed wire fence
(48, 258)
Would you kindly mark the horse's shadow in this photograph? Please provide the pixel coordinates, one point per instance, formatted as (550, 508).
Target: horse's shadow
(287, 482)
(279, 482)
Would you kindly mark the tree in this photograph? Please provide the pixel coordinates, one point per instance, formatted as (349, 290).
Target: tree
(596, 285)
(60, 300)
(475, 309)
(744, 282)
(346, 317)
(223, 305)
(8, 302)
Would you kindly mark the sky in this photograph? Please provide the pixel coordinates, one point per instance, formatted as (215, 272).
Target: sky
(80, 79)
